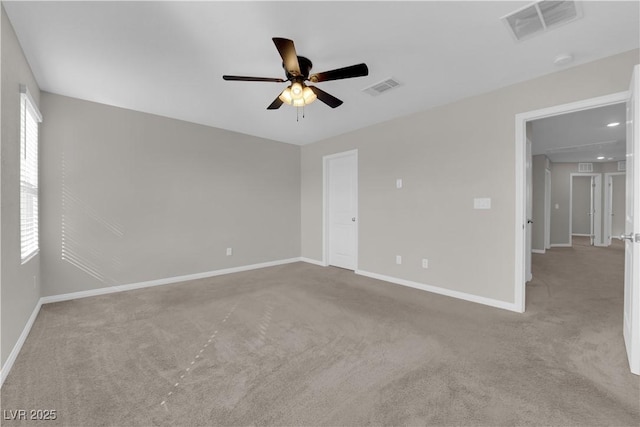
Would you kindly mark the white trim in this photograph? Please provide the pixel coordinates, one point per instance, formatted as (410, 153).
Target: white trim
(538, 251)
(529, 210)
(581, 235)
(160, 282)
(24, 91)
(626, 335)
(8, 364)
(521, 120)
(325, 205)
(561, 245)
(312, 261)
(442, 291)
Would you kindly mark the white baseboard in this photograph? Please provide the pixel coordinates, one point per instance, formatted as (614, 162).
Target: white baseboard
(313, 261)
(581, 235)
(8, 364)
(561, 245)
(538, 251)
(160, 282)
(442, 291)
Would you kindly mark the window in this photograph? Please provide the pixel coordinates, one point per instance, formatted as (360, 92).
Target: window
(29, 119)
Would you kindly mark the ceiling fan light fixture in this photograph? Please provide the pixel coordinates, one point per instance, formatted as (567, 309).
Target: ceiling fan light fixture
(296, 90)
(304, 95)
(308, 95)
(297, 70)
(285, 96)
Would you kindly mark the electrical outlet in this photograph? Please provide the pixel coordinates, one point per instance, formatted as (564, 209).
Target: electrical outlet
(229, 251)
(399, 183)
(398, 259)
(425, 263)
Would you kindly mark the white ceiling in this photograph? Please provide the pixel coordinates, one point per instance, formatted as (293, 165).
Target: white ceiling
(582, 136)
(168, 58)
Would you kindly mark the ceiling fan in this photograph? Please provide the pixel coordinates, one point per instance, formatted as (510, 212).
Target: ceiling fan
(297, 70)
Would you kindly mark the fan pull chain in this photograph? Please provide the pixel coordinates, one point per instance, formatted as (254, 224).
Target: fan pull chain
(298, 112)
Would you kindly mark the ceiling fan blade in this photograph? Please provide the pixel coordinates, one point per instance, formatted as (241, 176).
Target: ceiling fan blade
(277, 103)
(253, 79)
(328, 99)
(289, 56)
(358, 70)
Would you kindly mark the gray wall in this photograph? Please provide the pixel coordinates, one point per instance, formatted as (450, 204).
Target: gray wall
(446, 157)
(581, 205)
(561, 201)
(20, 288)
(130, 197)
(539, 166)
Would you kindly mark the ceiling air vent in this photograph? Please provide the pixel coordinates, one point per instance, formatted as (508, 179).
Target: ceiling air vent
(381, 87)
(541, 16)
(622, 165)
(585, 167)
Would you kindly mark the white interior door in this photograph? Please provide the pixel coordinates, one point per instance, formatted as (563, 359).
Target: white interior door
(618, 204)
(547, 209)
(592, 210)
(597, 210)
(342, 199)
(608, 209)
(529, 171)
(632, 229)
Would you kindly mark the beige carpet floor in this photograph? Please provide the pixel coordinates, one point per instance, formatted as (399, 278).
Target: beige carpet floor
(304, 345)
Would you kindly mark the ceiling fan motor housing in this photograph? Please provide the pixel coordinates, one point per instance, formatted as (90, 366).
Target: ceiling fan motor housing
(305, 67)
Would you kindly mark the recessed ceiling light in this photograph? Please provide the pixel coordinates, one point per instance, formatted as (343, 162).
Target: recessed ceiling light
(613, 124)
(610, 158)
(600, 157)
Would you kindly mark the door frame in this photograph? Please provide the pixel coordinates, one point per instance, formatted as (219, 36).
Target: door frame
(596, 202)
(325, 204)
(521, 120)
(608, 207)
(529, 211)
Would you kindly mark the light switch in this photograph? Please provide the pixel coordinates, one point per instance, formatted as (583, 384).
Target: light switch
(482, 203)
(557, 206)
(399, 183)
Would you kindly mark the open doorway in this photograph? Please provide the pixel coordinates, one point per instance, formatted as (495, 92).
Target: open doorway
(585, 207)
(524, 123)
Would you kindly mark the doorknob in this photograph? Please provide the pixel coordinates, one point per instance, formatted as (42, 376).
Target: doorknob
(529, 221)
(353, 219)
(630, 237)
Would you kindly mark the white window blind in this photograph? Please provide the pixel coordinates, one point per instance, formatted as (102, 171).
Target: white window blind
(29, 119)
